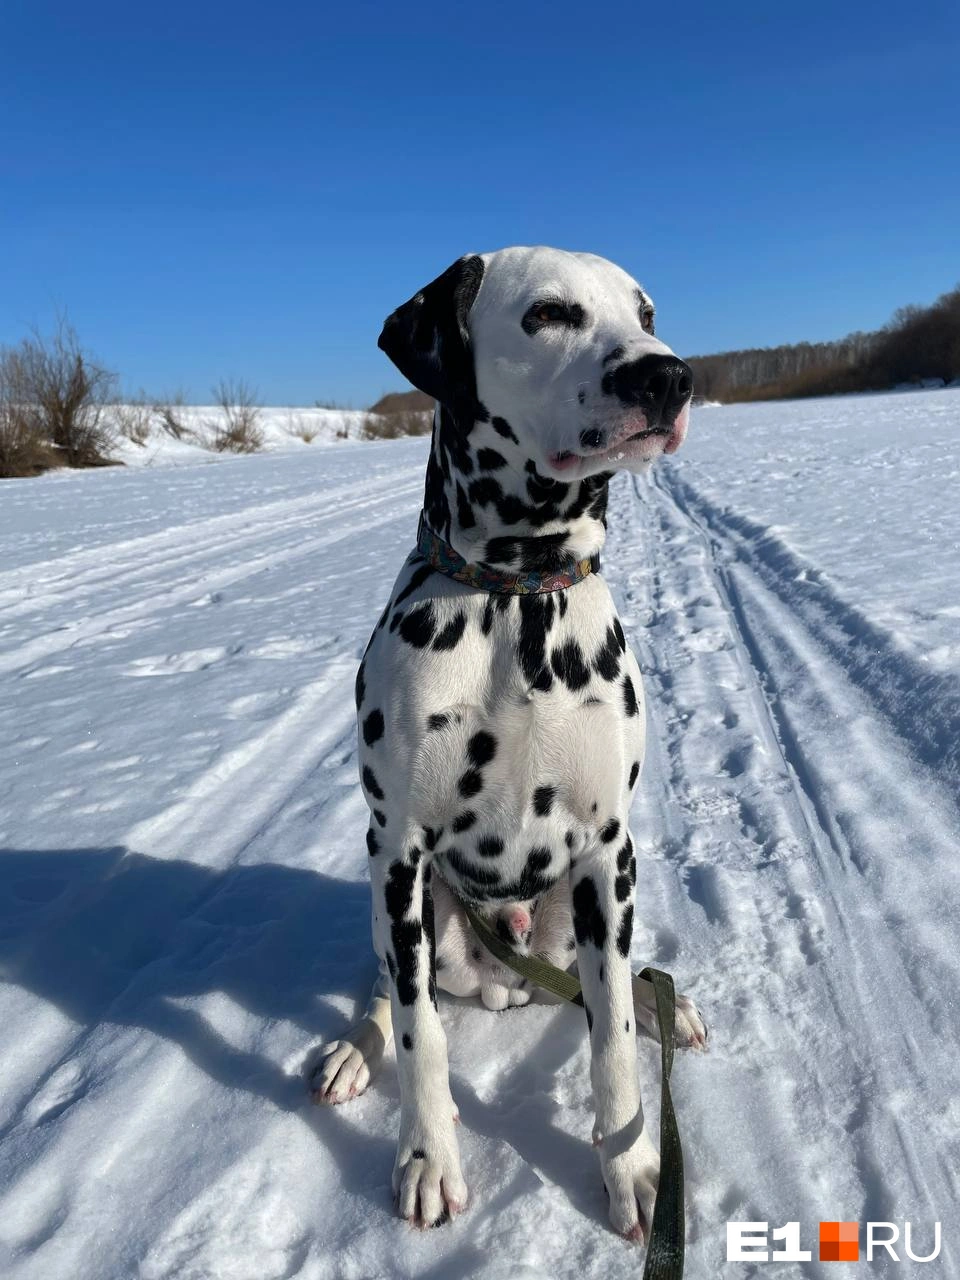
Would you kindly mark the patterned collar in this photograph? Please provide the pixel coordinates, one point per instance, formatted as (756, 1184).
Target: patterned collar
(442, 557)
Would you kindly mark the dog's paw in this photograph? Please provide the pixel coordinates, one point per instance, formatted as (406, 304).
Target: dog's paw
(497, 997)
(427, 1182)
(689, 1028)
(631, 1180)
(345, 1067)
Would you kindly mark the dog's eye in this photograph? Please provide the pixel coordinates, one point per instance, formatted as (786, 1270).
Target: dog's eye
(544, 315)
(550, 313)
(646, 319)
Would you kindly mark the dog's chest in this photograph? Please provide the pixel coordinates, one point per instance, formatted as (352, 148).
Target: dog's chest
(512, 725)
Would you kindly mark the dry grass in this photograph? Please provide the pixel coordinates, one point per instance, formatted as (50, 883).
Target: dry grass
(239, 429)
(300, 427)
(133, 419)
(169, 413)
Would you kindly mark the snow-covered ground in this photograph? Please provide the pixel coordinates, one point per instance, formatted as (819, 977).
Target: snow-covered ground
(183, 907)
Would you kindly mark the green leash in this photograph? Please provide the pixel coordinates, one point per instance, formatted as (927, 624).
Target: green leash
(665, 1249)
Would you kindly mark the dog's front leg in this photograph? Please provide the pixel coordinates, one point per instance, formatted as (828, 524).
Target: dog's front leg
(603, 923)
(427, 1180)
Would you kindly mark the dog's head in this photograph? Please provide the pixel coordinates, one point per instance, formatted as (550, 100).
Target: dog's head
(559, 345)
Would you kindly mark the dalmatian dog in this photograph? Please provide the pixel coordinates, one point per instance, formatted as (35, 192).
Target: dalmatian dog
(500, 712)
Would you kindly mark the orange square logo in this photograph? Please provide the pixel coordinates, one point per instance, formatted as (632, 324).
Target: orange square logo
(839, 1242)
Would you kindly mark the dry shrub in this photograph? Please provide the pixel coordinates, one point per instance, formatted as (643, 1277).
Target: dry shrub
(23, 449)
(239, 429)
(300, 428)
(169, 412)
(390, 426)
(62, 392)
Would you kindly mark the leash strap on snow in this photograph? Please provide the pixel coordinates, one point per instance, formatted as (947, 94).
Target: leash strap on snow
(665, 1248)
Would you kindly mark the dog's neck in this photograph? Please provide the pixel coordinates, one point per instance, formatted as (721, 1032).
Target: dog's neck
(485, 496)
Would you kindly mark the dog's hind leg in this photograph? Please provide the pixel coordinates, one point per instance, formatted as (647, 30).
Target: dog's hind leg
(348, 1065)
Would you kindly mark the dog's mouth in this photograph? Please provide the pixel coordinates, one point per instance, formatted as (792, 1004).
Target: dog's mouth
(630, 442)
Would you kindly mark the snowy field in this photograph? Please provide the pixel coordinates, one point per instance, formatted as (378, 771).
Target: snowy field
(183, 906)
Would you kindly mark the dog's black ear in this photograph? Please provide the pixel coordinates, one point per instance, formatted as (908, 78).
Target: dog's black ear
(428, 340)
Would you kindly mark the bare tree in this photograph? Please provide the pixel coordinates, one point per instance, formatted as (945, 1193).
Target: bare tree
(239, 430)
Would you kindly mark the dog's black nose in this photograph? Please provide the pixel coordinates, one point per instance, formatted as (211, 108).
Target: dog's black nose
(661, 385)
(591, 439)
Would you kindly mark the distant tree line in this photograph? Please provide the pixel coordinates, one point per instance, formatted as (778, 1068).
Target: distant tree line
(919, 344)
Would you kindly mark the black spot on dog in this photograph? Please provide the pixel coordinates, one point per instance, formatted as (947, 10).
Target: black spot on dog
(481, 749)
(373, 727)
(486, 621)
(538, 859)
(623, 886)
(485, 491)
(417, 579)
(562, 603)
(623, 854)
(360, 687)
(418, 1153)
(380, 817)
(470, 783)
(600, 974)
(543, 799)
(626, 1026)
(625, 931)
(568, 839)
(468, 871)
(618, 632)
(489, 846)
(391, 965)
(407, 1040)
(504, 932)
(372, 847)
(634, 774)
(396, 620)
(588, 918)
(418, 626)
(371, 783)
(504, 429)
(544, 681)
(610, 831)
(465, 517)
(629, 697)
(406, 934)
(606, 663)
(438, 721)
(464, 821)
(431, 836)
(475, 955)
(449, 637)
(490, 460)
(569, 666)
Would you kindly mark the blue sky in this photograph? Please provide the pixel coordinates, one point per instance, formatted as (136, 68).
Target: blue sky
(246, 190)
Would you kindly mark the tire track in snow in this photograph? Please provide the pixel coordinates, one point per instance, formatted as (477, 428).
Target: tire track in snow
(167, 590)
(753, 833)
(131, 559)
